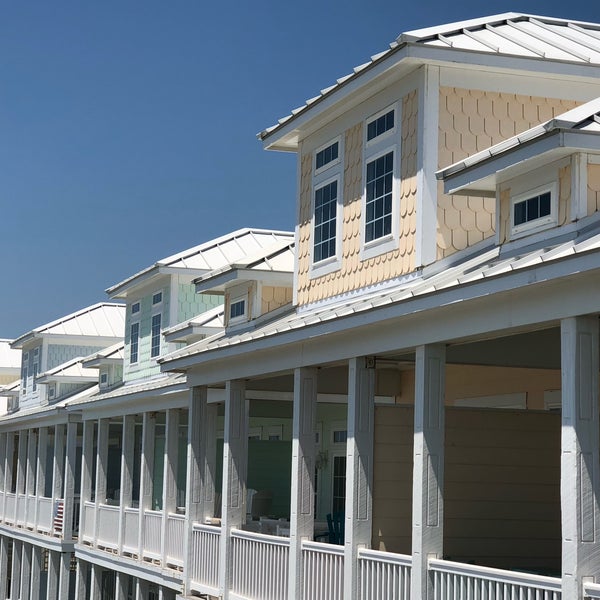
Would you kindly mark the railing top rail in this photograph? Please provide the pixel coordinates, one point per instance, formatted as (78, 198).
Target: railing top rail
(214, 529)
(514, 577)
(132, 510)
(592, 590)
(387, 557)
(176, 516)
(153, 513)
(109, 507)
(324, 548)
(10, 494)
(261, 538)
(89, 504)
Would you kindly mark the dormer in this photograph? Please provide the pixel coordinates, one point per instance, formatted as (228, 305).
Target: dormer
(164, 295)
(545, 181)
(10, 363)
(65, 380)
(197, 328)
(108, 366)
(254, 287)
(49, 346)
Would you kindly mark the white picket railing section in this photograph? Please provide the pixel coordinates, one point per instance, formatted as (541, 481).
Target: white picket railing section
(108, 526)
(11, 503)
(175, 539)
(21, 507)
(204, 568)
(90, 514)
(453, 580)
(131, 542)
(260, 565)
(45, 514)
(323, 571)
(152, 534)
(591, 590)
(383, 575)
(30, 511)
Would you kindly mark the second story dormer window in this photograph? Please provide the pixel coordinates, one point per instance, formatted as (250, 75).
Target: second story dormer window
(134, 340)
(36, 368)
(155, 336)
(25, 372)
(327, 207)
(534, 209)
(237, 309)
(135, 308)
(156, 298)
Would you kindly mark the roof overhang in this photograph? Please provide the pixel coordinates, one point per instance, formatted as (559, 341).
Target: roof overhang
(218, 283)
(99, 361)
(45, 379)
(482, 177)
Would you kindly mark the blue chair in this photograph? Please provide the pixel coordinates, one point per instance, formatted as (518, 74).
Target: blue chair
(335, 522)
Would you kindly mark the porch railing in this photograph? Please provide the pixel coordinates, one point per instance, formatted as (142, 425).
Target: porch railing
(108, 526)
(175, 539)
(591, 590)
(21, 508)
(383, 575)
(323, 571)
(260, 565)
(131, 517)
(87, 534)
(152, 534)
(11, 503)
(30, 511)
(457, 580)
(204, 568)
(45, 515)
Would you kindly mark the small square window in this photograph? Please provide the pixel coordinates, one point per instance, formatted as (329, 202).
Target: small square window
(237, 309)
(534, 209)
(340, 436)
(51, 391)
(103, 379)
(327, 155)
(380, 125)
(157, 298)
(135, 308)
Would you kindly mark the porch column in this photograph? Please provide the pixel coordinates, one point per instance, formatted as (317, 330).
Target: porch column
(122, 581)
(169, 491)
(101, 462)
(69, 481)
(42, 454)
(83, 569)
(302, 516)
(36, 570)
(127, 455)
(146, 474)
(359, 468)
(15, 573)
(235, 453)
(3, 442)
(58, 467)
(580, 480)
(64, 575)
(201, 464)
(30, 477)
(25, 571)
(53, 574)
(142, 589)
(3, 566)
(87, 457)
(21, 469)
(8, 474)
(96, 583)
(428, 466)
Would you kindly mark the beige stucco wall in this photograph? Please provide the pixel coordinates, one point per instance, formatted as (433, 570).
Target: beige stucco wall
(593, 191)
(355, 273)
(471, 121)
(274, 297)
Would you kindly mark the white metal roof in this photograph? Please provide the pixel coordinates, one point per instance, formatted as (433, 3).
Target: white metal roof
(206, 257)
(72, 370)
(207, 323)
(277, 258)
(10, 358)
(509, 34)
(488, 264)
(104, 320)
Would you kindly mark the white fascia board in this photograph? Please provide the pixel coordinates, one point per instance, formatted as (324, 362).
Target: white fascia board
(30, 537)
(44, 379)
(43, 418)
(147, 571)
(494, 306)
(121, 289)
(62, 339)
(218, 283)
(96, 363)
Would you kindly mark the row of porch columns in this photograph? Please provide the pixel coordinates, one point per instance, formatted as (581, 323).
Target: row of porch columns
(580, 469)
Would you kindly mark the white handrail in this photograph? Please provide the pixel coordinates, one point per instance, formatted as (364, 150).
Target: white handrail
(260, 537)
(591, 590)
(204, 568)
(388, 557)
(383, 575)
(324, 548)
(323, 572)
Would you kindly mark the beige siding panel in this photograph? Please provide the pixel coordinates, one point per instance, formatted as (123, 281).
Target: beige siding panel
(502, 486)
(355, 273)
(564, 194)
(274, 297)
(593, 191)
(471, 121)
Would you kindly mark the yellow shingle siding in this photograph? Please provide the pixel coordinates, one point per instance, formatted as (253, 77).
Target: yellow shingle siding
(593, 189)
(471, 121)
(355, 273)
(273, 297)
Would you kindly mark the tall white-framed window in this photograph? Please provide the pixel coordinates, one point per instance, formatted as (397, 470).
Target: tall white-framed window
(24, 372)
(134, 341)
(103, 379)
(238, 309)
(36, 368)
(135, 308)
(534, 209)
(155, 335)
(381, 169)
(327, 206)
(157, 298)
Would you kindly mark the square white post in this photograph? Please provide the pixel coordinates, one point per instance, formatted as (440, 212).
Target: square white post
(53, 574)
(87, 456)
(36, 570)
(302, 516)
(101, 465)
(96, 583)
(359, 468)
(122, 584)
(58, 467)
(21, 470)
(3, 567)
(169, 491)
(83, 569)
(69, 481)
(126, 490)
(428, 467)
(3, 443)
(15, 574)
(25, 571)
(580, 480)
(9, 471)
(64, 576)
(142, 589)
(30, 477)
(235, 457)
(42, 454)
(146, 474)
(201, 464)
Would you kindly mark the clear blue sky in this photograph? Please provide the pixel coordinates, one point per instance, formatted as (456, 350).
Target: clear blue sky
(127, 129)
